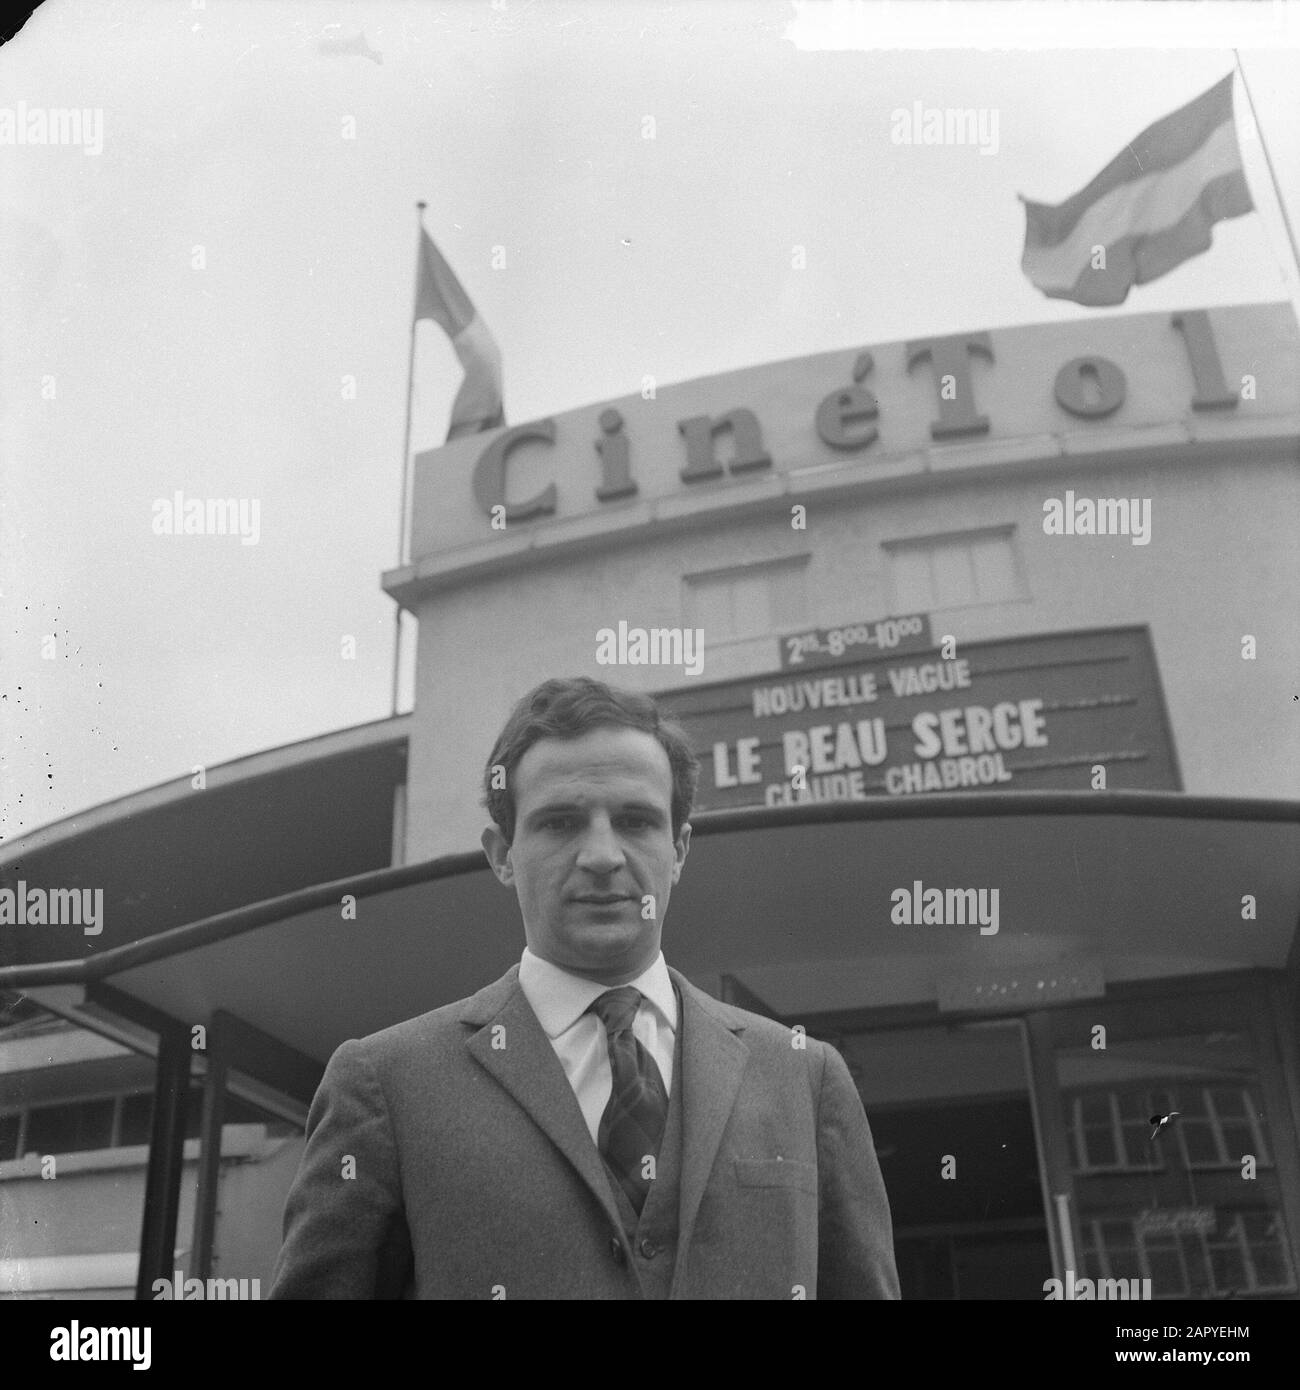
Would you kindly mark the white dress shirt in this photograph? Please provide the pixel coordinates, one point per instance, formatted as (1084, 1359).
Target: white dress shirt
(561, 1000)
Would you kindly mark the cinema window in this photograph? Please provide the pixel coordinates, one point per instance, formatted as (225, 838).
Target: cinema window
(955, 570)
(748, 600)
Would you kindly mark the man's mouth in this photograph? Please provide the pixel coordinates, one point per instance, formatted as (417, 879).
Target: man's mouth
(603, 899)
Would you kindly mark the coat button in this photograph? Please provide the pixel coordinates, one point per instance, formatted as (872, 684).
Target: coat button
(649, 1249)
(616, 1249)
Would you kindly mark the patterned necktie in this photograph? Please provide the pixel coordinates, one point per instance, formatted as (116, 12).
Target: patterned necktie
(633, 1123)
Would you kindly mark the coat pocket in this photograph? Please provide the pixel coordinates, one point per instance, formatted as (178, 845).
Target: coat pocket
(776, 1172)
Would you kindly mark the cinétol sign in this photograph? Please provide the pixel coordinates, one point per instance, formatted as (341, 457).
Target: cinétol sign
(1088, 387)
(877, 412)
(928, 409)
(1024, 714)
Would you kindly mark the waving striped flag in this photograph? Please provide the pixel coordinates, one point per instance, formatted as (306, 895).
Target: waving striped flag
(1150, 209)
(439, 296)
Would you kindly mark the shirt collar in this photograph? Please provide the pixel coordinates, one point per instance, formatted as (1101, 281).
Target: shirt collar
(560, 998)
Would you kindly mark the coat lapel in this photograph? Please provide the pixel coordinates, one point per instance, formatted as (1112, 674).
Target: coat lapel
(524, 1062)
(713, 1061)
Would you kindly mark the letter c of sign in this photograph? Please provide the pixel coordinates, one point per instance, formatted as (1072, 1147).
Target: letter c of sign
(490, 473)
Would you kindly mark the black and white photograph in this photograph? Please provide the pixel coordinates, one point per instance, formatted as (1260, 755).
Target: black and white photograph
(650, 651)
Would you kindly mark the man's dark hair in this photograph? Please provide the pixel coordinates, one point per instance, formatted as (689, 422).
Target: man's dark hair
(568, 707)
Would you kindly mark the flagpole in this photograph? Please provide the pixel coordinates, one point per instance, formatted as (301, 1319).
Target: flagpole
(406, 452)
(1268, 160)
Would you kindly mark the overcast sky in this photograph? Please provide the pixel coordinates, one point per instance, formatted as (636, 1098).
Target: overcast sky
(126, 373)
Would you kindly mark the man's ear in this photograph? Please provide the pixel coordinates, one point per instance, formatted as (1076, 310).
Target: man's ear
(682, 844)
(497, 848)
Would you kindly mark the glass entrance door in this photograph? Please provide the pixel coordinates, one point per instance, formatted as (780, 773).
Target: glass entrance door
(1172, 1156)
(952, 1116)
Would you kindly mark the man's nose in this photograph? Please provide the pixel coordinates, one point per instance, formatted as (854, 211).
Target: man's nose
(601, 852)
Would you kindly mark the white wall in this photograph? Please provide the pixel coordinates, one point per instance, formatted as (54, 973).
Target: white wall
(1222, 563)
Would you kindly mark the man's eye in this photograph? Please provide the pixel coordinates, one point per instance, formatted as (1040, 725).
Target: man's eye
(557, 822)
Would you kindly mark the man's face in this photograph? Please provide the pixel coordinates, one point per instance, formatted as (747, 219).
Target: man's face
(593, 845)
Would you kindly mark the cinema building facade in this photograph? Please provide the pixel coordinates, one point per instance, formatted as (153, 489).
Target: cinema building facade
(987, 646)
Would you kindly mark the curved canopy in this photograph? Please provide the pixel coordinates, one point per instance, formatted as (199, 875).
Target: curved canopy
(798, 904)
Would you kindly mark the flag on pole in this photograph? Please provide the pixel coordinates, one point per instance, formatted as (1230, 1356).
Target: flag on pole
(439, 296)
(1149, 210)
